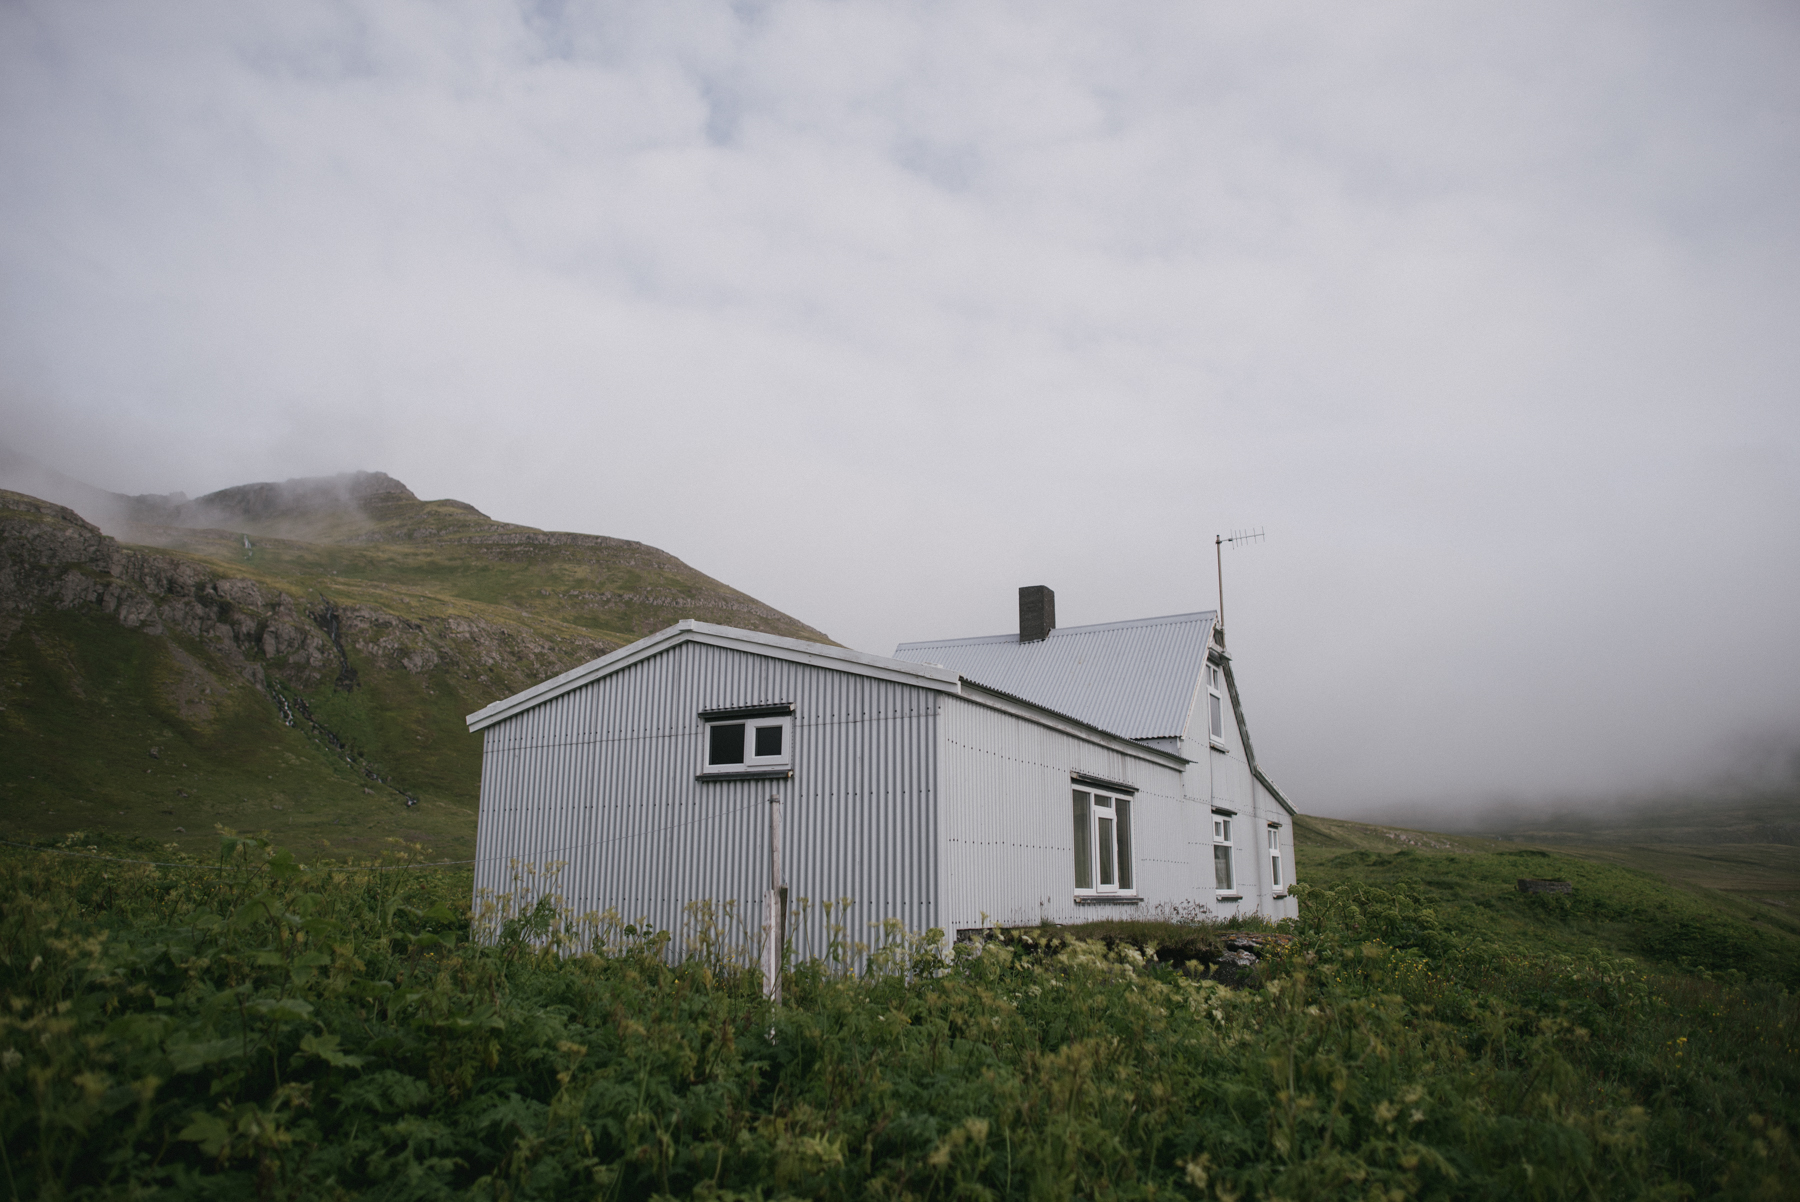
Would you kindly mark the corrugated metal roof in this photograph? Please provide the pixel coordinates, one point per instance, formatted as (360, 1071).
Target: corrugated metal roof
(1135, 679)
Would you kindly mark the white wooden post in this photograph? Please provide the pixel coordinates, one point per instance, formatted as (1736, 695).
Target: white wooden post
(774, 908)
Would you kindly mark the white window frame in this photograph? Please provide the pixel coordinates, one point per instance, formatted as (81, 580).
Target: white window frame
(1114, 808)
(1277, 882)
(751, 721)
(1215, 705)
(1222, 841)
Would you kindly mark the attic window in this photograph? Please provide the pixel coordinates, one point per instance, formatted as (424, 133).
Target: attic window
(1215, 704)
(748, 741)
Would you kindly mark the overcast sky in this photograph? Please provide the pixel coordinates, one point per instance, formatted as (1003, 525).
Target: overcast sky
(1487, 314)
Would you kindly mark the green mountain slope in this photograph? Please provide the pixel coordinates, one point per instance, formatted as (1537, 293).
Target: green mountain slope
(300, 665)
(1667, 903)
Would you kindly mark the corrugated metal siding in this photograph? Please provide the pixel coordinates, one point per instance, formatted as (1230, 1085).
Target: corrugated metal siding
(1005, 800)
(1135, 679)
(602, 778)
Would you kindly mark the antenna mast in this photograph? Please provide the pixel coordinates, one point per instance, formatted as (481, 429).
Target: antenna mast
(1252, 535)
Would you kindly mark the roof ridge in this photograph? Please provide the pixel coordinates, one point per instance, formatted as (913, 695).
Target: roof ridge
(1064, 630)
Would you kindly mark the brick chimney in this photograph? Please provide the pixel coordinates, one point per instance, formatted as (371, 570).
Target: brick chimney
(1037, 613)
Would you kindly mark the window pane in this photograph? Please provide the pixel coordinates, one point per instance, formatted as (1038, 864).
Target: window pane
(1275, 871)
(726, 744)
(768, 740)
(1103, 827)
(1218, 715)
(1222, 867)
(1084, 852)
(1124, 837)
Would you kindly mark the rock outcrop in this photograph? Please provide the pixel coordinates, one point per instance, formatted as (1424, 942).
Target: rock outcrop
(50, 555)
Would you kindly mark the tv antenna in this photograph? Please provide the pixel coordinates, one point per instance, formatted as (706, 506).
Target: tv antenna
(1252, 535)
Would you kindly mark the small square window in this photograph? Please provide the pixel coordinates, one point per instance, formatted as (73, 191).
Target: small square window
(757, 741)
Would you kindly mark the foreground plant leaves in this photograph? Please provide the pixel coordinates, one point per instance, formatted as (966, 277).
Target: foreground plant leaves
(264, 1030)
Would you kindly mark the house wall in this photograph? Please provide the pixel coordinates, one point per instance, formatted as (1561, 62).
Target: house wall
(1220, 775)
(1278, 904)
(1007, 838)
(602, 779)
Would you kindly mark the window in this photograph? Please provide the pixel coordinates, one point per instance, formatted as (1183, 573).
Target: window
(1274, 856)
(1215, 704)
(1224, 879)
(1102, 843)
(748, 741)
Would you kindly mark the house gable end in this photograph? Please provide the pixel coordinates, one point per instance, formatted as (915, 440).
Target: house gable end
(772, 646)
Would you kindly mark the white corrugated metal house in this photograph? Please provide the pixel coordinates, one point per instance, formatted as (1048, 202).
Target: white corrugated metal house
(1047, 774)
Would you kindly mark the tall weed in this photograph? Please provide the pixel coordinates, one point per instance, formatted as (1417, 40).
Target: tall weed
(263, 1029)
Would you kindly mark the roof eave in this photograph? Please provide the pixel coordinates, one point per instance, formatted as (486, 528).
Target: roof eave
(1262, 778)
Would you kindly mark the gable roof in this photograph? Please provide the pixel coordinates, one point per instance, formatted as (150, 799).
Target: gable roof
(1138, 679)
(842, 659)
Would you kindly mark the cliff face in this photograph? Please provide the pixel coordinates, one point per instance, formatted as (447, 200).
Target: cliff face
(316, 685)
(51, 556)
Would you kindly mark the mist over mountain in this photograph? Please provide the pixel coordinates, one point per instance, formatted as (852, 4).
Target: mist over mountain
(294, 507)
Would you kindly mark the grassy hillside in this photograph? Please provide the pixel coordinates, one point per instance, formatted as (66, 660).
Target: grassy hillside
(304, 671)
(113, 732)
(1656, 904)
(1767, 815)
(393, 548)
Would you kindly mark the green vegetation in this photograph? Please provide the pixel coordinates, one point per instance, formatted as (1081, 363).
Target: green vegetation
(98, 738)
(1619, 906)
(425, 557)
(1735, 840)
(262, 1029)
